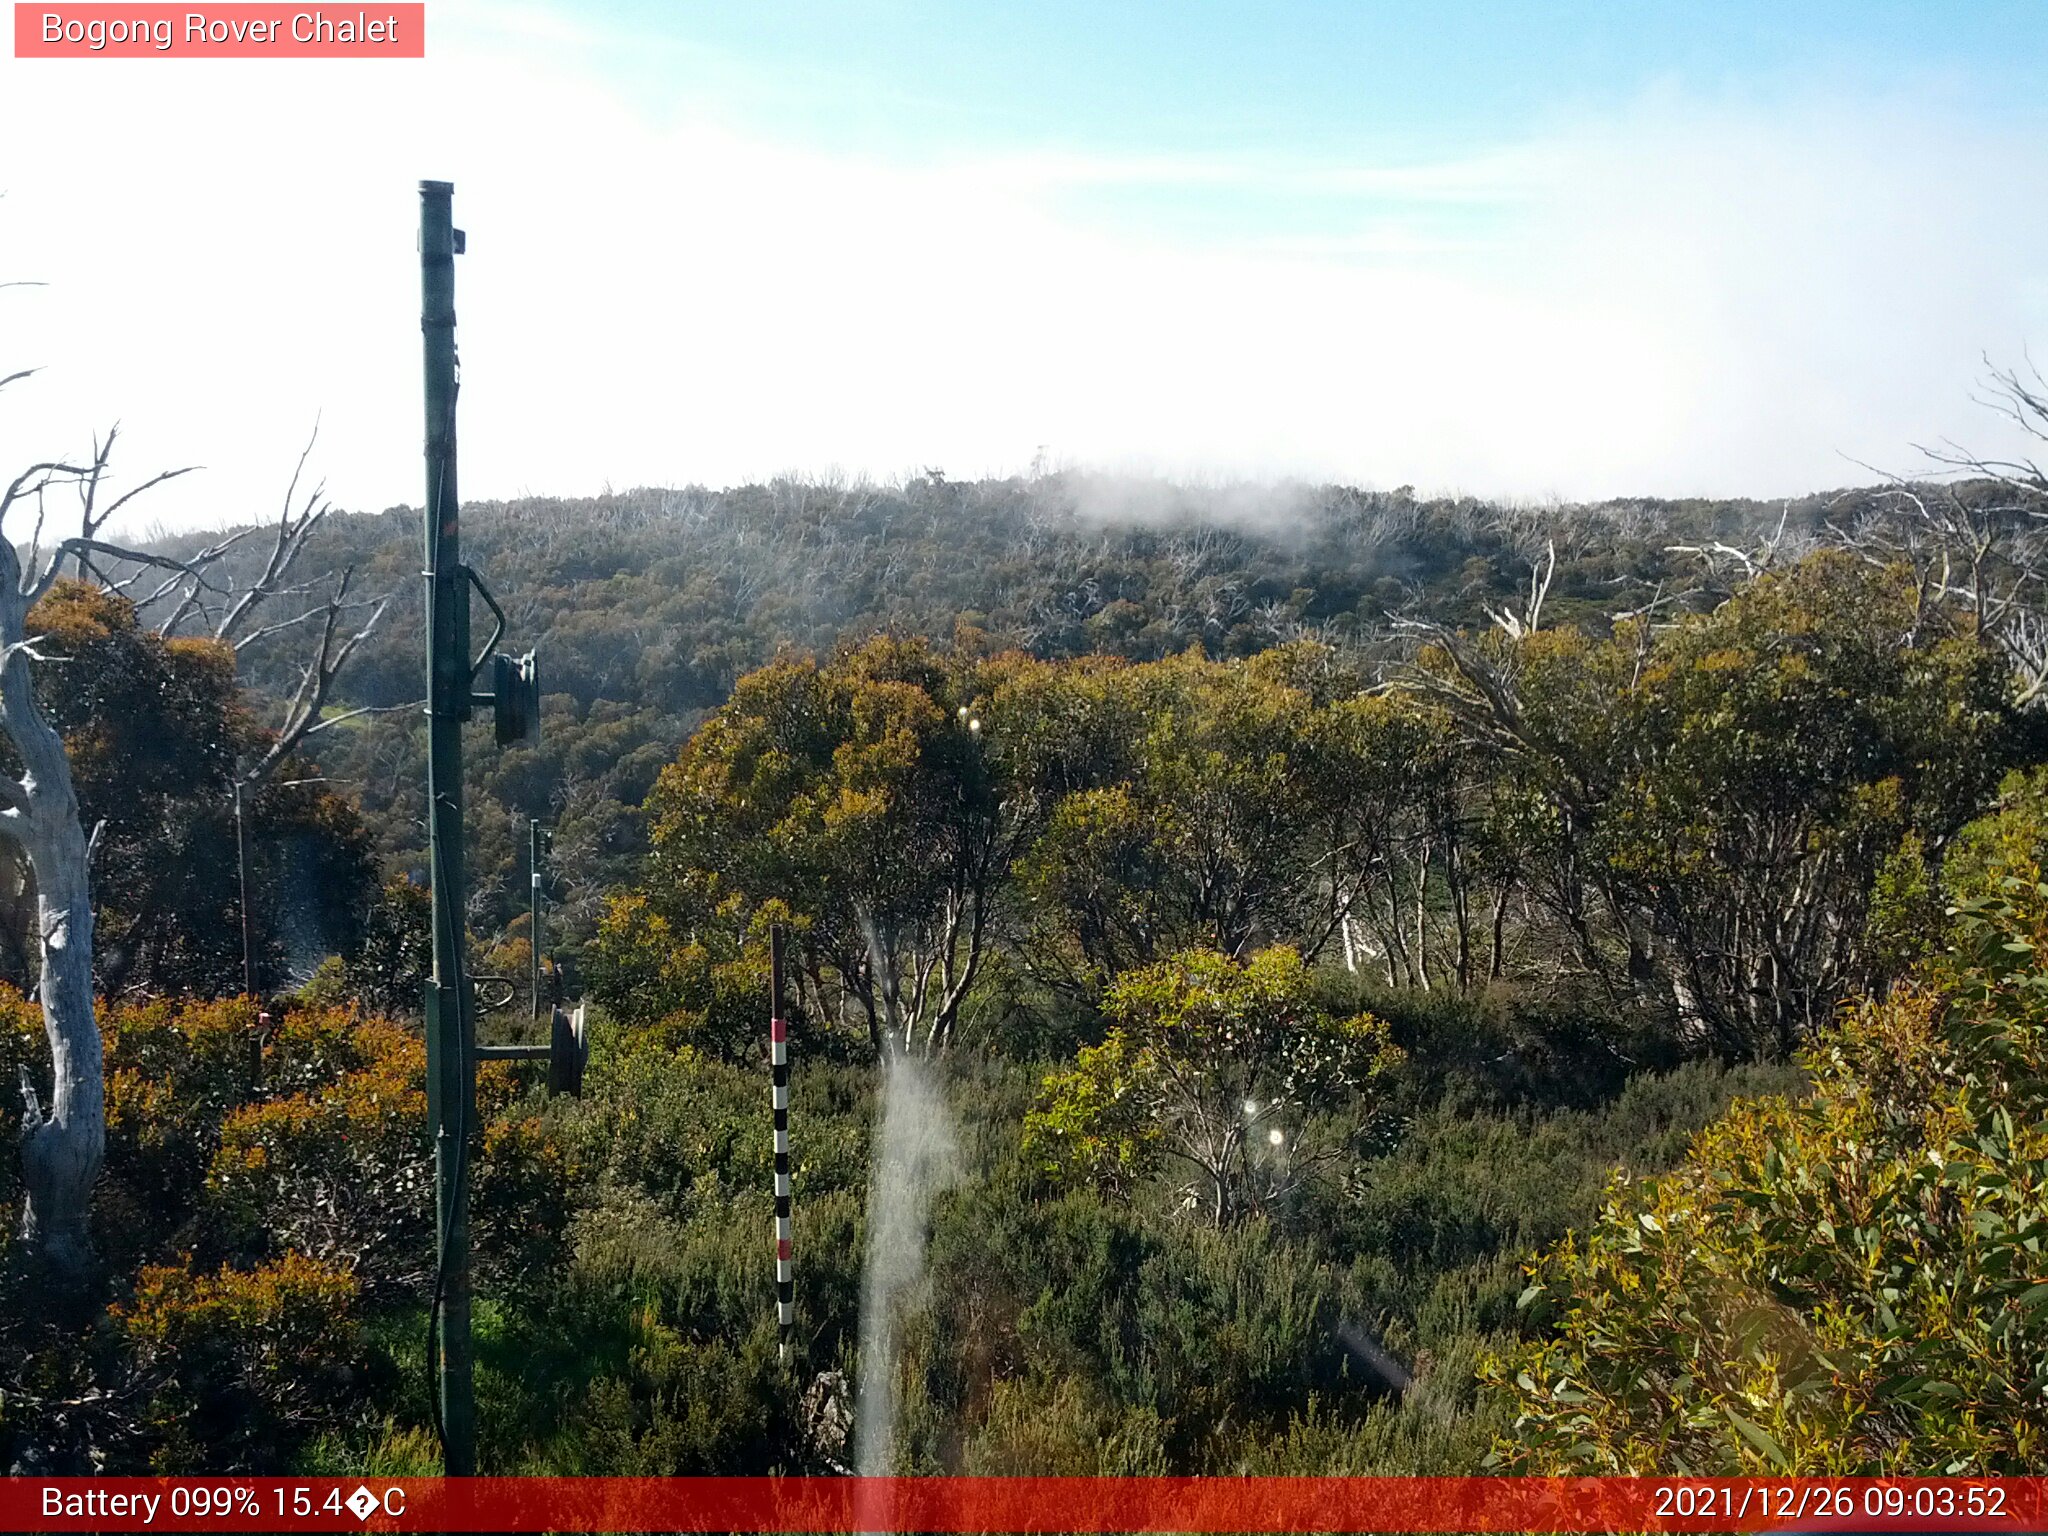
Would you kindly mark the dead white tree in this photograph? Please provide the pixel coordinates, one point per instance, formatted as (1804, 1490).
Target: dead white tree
(63, 1141)
(61, 1144)
(1749, 564)
(210, 594)
(218, 593)
(1519, 626)
(1975, 534)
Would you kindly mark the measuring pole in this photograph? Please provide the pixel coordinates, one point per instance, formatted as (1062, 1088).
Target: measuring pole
(248, 923)
(451, 1014)
(533, 930)
(778, 1069)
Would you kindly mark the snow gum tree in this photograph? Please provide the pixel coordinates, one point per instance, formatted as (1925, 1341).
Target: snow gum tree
(209, 592)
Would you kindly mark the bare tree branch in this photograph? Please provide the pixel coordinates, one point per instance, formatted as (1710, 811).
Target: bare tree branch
(1530, 619)
(292, 532)
(1976, 535)
(305, 711)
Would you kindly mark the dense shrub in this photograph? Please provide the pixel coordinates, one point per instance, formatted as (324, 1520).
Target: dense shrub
(1850, 1284)
(339, 1171)
(266, 1198)
(1217, 1069)
(237, 1365)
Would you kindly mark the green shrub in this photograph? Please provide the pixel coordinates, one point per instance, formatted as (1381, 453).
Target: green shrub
(1222, 1071)
(240, 1363)
(1854, 1283)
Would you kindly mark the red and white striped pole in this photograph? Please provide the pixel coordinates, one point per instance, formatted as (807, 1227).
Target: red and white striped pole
(778, 1060)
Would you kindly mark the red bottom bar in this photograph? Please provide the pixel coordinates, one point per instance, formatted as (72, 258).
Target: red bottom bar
(999, 1504)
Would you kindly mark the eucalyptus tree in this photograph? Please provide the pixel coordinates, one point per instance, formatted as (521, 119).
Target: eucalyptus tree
(1187, 804)
(1227, 1071)
(154, 729)
(61, 1145)
(1714, 799)
(854, 800)
(63, 1141)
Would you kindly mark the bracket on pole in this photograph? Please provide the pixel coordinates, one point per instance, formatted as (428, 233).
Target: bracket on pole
(452, 995)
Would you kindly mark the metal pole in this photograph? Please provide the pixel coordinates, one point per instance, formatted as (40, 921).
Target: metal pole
(242, 866)
(778, 1068)
(533, 931)
(451, 1037)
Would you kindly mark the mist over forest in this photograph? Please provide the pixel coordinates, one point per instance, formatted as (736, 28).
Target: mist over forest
(647, 606)
(1288, 871)
(1282, 979)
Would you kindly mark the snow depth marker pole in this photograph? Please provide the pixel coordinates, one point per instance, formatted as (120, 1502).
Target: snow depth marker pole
(778, 1066)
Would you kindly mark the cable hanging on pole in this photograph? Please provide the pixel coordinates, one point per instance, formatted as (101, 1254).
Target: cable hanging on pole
(451, 994)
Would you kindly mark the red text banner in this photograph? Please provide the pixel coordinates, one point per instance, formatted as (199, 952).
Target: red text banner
(219, 32)
(996, 1504)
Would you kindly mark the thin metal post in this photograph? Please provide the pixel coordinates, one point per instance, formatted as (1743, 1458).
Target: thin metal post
(451, 1038)
(242, 868)
(533, 929)
(778, 1068)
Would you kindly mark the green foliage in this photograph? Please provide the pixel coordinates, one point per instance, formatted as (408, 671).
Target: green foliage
(265, 1198)
(670, 1368)
(1071, 1332)
(1640, 846)
(154, 728)
(1906, 922)
(650, 605)
(1098, 1121)
(1421, 815)
(2008, 843)
(1184, 806)
(1778, 749)
(1717, 801)
(1724, 826)
(338, 1172)
(1062, 1427)
(238, 1364)
(704, 990)
(1219, 1066)
(854, 800)
(388, 974)
(1849, 1284)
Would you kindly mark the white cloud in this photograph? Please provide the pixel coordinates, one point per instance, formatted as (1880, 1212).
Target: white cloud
(1677, 299)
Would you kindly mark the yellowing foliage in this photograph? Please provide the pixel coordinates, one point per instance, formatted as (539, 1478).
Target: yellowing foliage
(1854, 1283)
(1220, 1069)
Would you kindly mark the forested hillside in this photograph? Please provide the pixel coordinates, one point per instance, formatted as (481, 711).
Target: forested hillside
(886, 907)
(646, 607)
(1304, 981)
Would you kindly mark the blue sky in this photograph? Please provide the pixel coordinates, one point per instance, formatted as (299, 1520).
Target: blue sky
(1271, 87)
(1523, 250)
(1316, 79)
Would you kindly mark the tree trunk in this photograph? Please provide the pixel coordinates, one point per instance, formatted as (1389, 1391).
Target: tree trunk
(61, 1149)
(1461, 912)
(1421, 914)
(61, 1146)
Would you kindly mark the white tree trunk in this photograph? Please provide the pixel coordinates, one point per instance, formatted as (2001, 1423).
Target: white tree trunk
(61, 1149)
(63, 1143)
(61, 1146)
